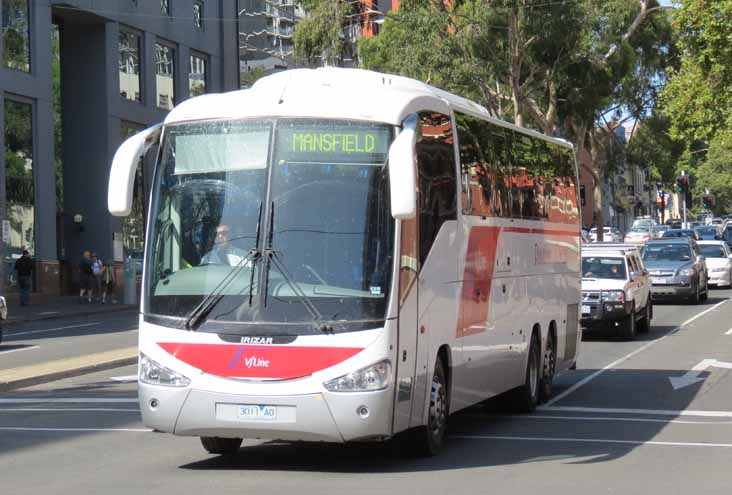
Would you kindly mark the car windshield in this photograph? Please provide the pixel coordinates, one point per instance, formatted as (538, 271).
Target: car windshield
(312, 193)
(678, 233)
(712, 251)
(603, 267)
(666, 252)
(640, 230)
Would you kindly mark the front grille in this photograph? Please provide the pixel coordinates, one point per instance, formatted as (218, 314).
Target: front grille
(590, 296)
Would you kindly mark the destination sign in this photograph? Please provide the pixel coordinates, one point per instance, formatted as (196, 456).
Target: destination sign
(347, 143)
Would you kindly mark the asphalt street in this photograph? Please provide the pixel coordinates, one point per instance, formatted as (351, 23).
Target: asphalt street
(47, 340)
(652, 416)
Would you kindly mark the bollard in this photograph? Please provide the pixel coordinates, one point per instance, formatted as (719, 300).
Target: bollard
(130, 296)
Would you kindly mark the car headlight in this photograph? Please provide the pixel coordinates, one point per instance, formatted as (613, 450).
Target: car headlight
(686, 272)
(613, 295)
(374, 377)
(155, 373)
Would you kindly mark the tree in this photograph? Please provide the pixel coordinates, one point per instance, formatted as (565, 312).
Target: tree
(322, 37)
(565, 68)
(698, 95)
(653, 147)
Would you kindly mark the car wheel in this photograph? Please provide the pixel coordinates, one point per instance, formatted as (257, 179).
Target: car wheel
(696, 298)
(645, 325)
(627, 327)
(549, 365)
(705, 296)
(218, 445)
(428, 440)
(525, 398)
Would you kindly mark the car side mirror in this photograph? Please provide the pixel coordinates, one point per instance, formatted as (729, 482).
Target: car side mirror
(403, 171)
(124, 167)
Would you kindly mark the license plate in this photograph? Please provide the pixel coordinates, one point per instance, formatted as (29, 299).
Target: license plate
(586, 309)
(257, 412)
(658, 281)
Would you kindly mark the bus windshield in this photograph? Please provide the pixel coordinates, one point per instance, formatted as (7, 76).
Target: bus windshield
(229, 196)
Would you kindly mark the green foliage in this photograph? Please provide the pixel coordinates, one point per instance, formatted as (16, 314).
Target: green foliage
(699, 94)
(249, 77)
(715, 173)
(652, 147)
(320, 38)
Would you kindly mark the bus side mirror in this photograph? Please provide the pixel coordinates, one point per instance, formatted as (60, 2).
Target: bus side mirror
(124, 167)
(403, 171)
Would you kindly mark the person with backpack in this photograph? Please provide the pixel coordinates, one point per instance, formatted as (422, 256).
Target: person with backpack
(86, 278)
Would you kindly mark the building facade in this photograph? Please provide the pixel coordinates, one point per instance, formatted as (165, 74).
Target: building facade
(76, 78)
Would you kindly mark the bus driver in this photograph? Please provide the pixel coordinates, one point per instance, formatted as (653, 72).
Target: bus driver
(222, 252)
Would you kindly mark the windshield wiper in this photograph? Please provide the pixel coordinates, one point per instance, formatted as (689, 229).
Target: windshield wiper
(211, 300)
(274, 258)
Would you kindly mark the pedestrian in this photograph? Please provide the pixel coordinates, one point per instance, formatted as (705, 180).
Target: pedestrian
(86, 277)
(97, 269)
(24, 269)
(109, 281)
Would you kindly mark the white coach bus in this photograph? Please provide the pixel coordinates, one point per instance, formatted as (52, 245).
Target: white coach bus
(338, 254)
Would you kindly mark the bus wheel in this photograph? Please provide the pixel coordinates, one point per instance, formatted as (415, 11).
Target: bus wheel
(218, 445)
(525, 398)
(428, 440)
(548, 369)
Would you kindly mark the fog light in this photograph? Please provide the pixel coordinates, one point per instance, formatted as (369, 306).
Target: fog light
(608, 308)
(154, 404)
(363, 411)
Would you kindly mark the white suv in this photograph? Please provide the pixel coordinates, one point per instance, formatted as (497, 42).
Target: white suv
(616, 289)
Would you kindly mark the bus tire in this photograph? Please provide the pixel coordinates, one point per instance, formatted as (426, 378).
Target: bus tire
(549, 366)
(525, 398)
(218, 445)
(428, 440)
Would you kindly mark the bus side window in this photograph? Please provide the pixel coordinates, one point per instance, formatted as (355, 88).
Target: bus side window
(437, 183)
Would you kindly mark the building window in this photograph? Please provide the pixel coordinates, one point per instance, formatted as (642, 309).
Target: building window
(197, 76)
(18, 226)
(129, 66)
(165, 6)
(16, 34)
(198, 13)
(165, 75)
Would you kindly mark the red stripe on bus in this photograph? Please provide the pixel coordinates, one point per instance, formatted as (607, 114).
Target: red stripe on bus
(258, 361)
(529, 230)
(477, 280)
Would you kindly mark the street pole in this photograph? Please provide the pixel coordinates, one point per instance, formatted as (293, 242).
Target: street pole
(683, 204)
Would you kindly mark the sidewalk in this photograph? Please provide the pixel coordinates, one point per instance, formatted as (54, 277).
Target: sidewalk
(52, 308)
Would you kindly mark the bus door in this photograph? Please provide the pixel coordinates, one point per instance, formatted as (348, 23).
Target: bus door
(404, 366)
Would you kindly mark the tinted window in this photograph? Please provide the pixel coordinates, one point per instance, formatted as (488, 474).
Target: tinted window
(711, 251)
(667, 252)
(603, 267)
(437, 179)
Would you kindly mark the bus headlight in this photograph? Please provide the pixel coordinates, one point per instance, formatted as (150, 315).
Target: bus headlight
(154, 373)
(374, 377)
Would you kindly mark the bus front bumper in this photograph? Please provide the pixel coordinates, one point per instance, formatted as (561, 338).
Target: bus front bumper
(325, 416)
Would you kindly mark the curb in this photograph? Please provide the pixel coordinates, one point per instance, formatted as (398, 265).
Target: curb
(15, 321)
(66, 368)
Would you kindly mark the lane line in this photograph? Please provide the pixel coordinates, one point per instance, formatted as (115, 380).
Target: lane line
(597, 373)
(131, 430)
(8, 335)
(18, 350)
(649, 412)
(69, 400)
(609, 418)
(65, 409)
(728, 332)
(128, 378)
(592, 440)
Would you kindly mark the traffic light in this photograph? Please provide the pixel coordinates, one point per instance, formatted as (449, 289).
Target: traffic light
(682, 184)
(707, 201)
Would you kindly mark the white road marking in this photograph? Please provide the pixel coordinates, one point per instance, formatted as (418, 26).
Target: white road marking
(132, 430)
(647, 412)
(592, 440)
(21, 349)
(47, 409)
(597, 373)
(728, 332)
(69, 400)
(8, 335)
(613, 418)
(128, 378)
(692, 376)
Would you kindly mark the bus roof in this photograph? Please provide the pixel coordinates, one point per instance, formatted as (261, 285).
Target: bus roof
(329, 92)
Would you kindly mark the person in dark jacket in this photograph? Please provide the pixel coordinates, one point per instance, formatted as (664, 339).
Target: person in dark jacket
(24, 269)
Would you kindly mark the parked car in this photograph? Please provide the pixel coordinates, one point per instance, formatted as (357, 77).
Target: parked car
(690, 233)
(677, 269)
(639, 235)
(707, 233)
(609, 234)
(616, 290)
(717, 257)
